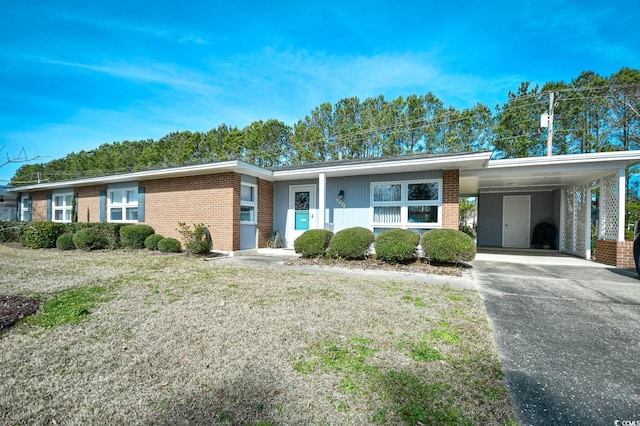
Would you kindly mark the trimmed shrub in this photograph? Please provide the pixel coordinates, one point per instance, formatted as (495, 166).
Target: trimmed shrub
(351, 243)
(65, 242)
(448, 246)
(313, 243)
(196, 240)
(11, 231)
(133, 236)
(151, 242)
(42, 234)
(468, 230)
(108, 234)
(397, 245)
(88, 239)
(169, 245)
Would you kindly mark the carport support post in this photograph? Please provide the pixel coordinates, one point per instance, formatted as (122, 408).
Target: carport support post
(587, 238)
(621, 203)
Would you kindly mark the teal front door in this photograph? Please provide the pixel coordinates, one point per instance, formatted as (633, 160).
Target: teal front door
(301, 203)
(302, 211)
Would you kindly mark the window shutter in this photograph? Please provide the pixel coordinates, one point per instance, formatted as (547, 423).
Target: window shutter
(29, 208)
(103, 206)
(48, 207)
(141, 204)
(74, 207)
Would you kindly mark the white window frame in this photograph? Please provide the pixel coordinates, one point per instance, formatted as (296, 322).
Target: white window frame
(64, 208)
(404, 203)
(24, 207)
(122, 203)
(249, 203)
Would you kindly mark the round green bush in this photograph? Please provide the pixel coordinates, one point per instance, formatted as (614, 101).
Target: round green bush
(397, 245)
(448, 246)
(88, 239)
(199, 247)
(65, 242)
(313, 243)
(133, 236)
(169, 245)
(468, 230)
(42, 234)
(151, 242)
(351, 243)
(11, 231)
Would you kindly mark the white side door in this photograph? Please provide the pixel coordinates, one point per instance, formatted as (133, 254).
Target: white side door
(516, 221)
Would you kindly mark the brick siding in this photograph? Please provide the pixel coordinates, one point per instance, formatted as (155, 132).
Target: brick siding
(89, 203)
(39, 206)
(615, 253)
(450, 198)
(265, 211)
(213, 200)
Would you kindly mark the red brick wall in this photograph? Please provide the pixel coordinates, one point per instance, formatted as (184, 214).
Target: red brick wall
(615, 253)
(89, 203)
(213, 200)
(265, 211)
(450, 198)
(39, 206)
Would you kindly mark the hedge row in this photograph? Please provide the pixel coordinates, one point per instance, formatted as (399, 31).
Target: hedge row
(392, 246)
(85, 236)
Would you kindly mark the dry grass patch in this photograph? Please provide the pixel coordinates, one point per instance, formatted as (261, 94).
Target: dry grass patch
(179, 340)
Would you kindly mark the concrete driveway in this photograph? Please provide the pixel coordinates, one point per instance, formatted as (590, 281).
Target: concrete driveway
(568, 332)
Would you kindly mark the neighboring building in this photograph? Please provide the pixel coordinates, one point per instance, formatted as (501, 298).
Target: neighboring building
(8, 204)
(242, 204)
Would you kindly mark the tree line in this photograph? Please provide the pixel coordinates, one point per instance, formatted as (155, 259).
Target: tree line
(592, 113)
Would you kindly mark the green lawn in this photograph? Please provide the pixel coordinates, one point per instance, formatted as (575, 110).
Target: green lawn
(146, 338)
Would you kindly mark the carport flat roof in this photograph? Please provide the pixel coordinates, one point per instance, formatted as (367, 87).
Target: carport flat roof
(544, 173)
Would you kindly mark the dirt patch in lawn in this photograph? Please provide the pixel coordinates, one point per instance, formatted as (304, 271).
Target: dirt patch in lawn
(15, 308)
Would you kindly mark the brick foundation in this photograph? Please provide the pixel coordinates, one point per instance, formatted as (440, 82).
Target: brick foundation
(615, 253)
(450, 198)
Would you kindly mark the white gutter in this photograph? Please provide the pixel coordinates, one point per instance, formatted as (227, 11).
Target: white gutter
(199, 169)
(629, 157)
(432, 163)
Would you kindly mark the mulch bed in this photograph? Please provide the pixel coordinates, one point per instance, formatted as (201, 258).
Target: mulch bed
(15, 308)
(419, 267)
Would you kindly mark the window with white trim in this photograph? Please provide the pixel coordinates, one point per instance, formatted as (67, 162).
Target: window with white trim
(406, 204)
(61, 206)
(248, 203)
(122, 205)
(24, 208)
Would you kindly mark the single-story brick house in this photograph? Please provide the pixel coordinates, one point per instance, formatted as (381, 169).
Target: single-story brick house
(243, 204)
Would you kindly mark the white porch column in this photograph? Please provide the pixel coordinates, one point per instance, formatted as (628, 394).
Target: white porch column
(562, 236)
(322, 197)
(621, 203)
(587, 220)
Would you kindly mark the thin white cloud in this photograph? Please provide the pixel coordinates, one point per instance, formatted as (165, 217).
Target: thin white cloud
(312, 78)
(169, 75)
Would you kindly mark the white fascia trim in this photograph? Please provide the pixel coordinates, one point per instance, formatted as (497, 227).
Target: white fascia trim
(199, 169)
(627, 157)
(395, 165)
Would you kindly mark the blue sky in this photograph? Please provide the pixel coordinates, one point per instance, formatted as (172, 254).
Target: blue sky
(77, 74)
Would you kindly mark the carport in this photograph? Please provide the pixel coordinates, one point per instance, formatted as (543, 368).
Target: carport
(567, 331)
(574, 193)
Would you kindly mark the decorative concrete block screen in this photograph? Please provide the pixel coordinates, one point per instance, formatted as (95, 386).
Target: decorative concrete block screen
(576, 215)
(573, 233)
(609, 208)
